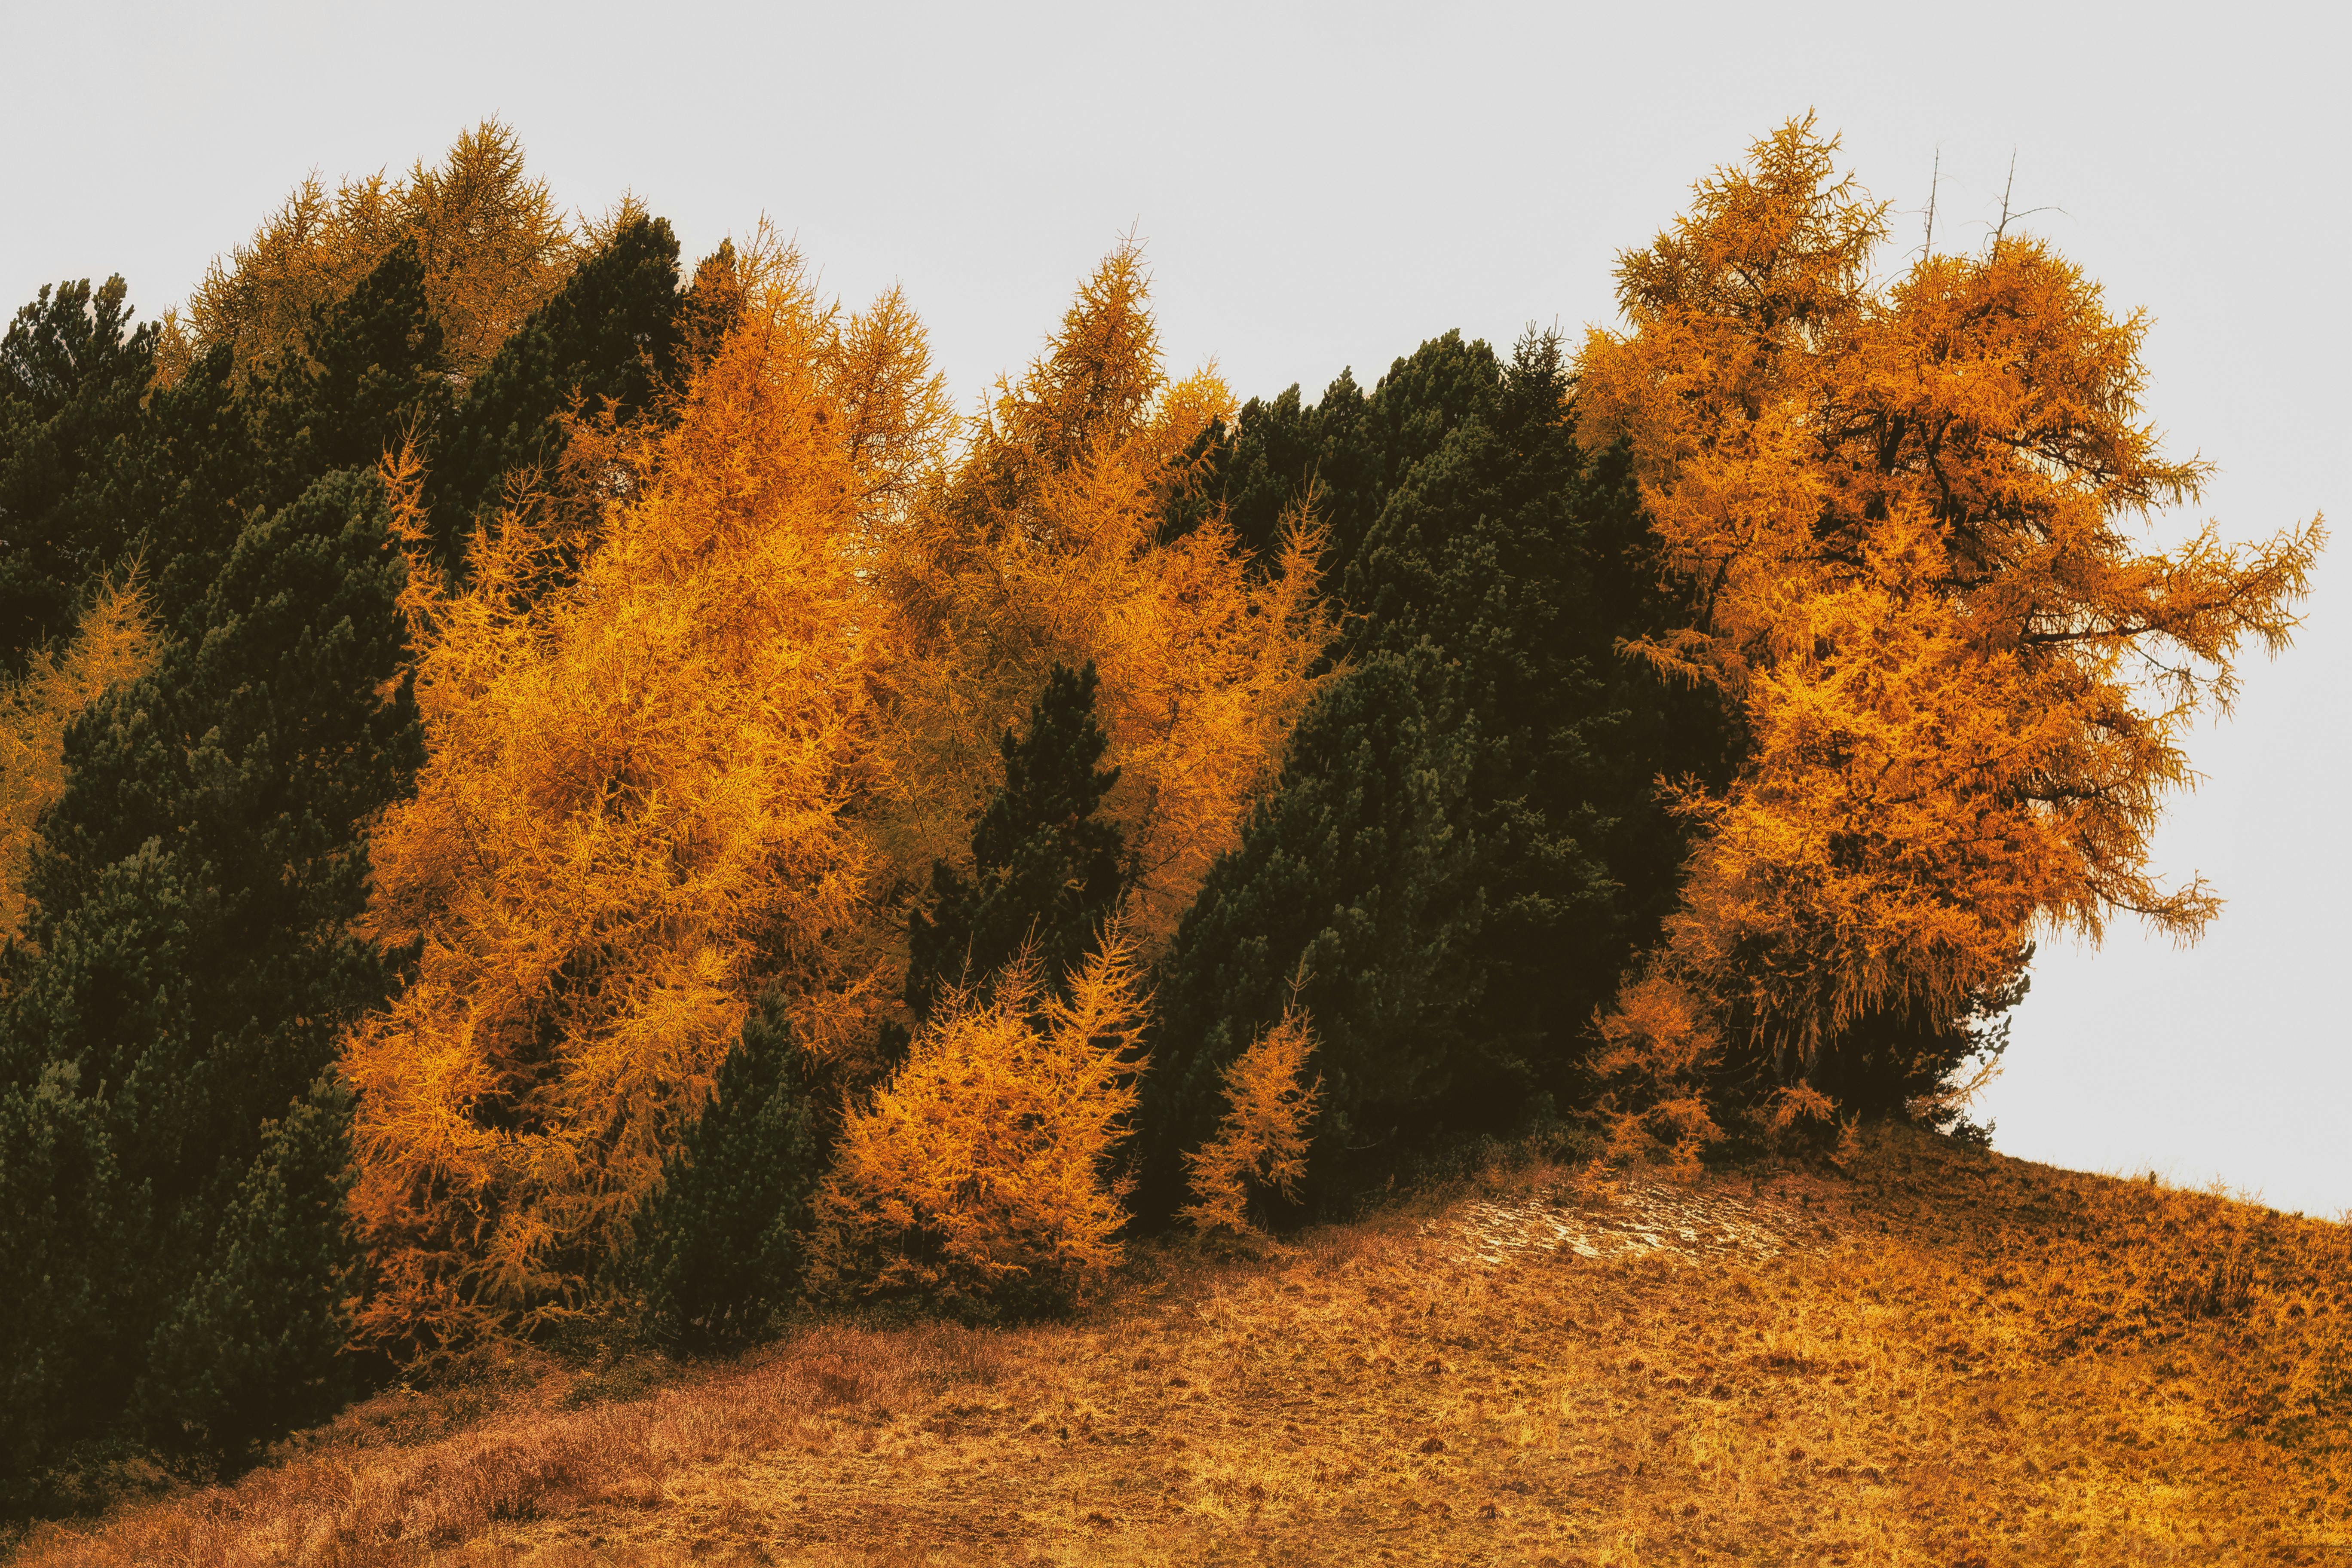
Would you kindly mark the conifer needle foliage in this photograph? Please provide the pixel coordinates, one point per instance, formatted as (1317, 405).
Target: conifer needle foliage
(116, 641)
(717, 1249)
(1905, 511)
(1041, 547)
(1046, 870)
(491, 739)
(171, 1201)
(979, 1180)
(491, 241)
(74, 372)
(1259, 1153)
(631, 820)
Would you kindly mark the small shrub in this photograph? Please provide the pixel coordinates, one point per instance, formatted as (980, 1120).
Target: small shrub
(976, 1181)
(1658, 1047)
(1259, 1152)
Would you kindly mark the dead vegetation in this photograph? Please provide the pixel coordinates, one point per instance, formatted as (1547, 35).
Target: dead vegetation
(1940, 1357)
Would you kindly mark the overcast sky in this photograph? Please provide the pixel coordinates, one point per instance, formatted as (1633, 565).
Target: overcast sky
(1326, 186)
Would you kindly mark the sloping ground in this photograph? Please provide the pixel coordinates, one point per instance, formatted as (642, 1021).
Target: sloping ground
(1939, 1357)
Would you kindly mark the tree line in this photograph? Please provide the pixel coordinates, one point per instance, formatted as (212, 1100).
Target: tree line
(543, 784)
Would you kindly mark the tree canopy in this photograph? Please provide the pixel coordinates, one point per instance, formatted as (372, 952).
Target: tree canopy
(1904, 512)
(537, 786)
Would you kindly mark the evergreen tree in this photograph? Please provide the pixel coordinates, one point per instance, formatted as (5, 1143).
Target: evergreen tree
(214, 451)
(719, 1250)
(256, 1345)
(712, 307)
(193, 478)
(1361, 868)
(101, 467)
(1464, 847)
(1353, 448)
(372, 373)
(62, 1263)
(1046, 871)
(189, 965)
(72, 373)
(608, 341)
(189, 973)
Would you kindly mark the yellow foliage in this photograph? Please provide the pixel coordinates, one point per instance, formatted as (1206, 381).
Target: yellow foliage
(1261, 1145)
(1904, 511)
(632, 815)
(977, 1178)
(113, 642)
(1041, 548)
(1658, 1047)
(493, 245)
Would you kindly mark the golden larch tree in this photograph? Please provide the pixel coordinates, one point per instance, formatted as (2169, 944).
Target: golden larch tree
(1259, 1149)
(492, 241)
(633, 815)
(1041, 547)
(114, 641)
(1908, 513)
(979, 1179)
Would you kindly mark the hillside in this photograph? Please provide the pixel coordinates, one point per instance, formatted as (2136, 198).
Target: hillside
(1936, 1355)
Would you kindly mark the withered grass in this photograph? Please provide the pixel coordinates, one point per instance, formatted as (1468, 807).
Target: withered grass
(1963, 1359)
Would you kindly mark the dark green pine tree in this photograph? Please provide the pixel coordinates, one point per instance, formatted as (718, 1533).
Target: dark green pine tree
(609, 340)
(191, 967)
(193, 479)
(1523, 565)
(63, 1265)
(1362, 866)
(1046, 871)
(72, 373)
(164, 1036)
(372, 372)
(256, 1346)
(212, 453)
(1354, 448)
(717, 1250)
(1464, 847)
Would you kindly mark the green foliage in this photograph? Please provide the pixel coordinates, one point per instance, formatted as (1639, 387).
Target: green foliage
(60, 1200)
(719, 1250)
(191, 968)
(255, 1344)
(72, 371)
(608, 341)
(372, 372)
(1464, 847)
(211, 453)
(1897, 1062)
(1359, 865)
(1355, 448)
(192, 480)
(1046, 872)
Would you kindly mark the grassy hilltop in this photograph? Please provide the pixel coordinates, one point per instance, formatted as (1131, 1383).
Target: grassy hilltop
(551, 788)
(1935, 1355)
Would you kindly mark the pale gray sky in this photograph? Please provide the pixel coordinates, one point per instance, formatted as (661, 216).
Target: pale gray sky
(1328, 186)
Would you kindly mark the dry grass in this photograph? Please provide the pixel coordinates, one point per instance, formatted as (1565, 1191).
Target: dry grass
(1943, 1358)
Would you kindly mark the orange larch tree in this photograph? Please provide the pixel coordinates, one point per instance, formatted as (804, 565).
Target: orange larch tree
(493, 242)
(114, 641)
(633, 814)
(1907, 510)
(1041, 547)
(980, 1178)
(1258, 1152)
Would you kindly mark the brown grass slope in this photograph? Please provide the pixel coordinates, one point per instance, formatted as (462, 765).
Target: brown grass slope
(1937, 1356)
